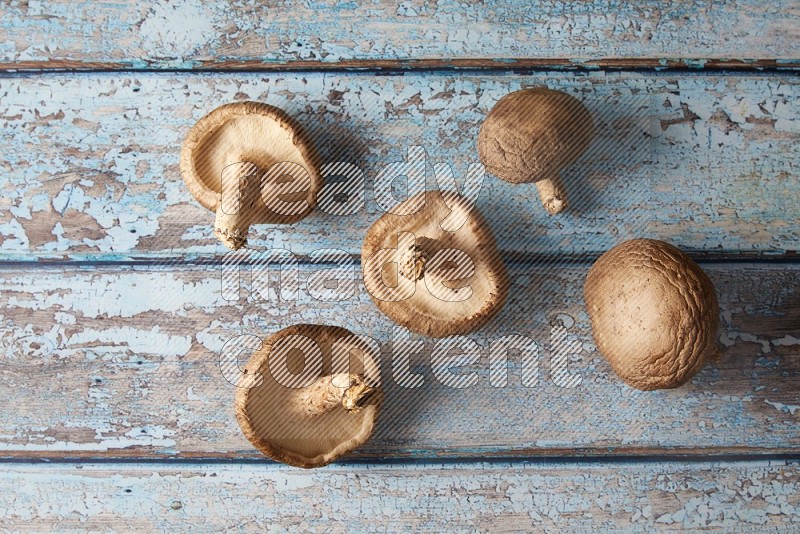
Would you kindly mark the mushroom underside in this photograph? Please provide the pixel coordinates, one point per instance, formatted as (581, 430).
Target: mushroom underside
(250, 163)
(301, 439)
(256, 139)
(309, 420)
(457, 295)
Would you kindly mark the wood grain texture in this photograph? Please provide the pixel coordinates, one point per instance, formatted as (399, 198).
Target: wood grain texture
(469, 497)
(90, 166)
(190, 34)
(123, 362)
(106, 361)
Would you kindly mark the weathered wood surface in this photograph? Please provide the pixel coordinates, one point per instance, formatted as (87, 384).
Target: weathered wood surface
(189, 34)
(90, 162)
(496, 497)
(107, 361)
(123, 362)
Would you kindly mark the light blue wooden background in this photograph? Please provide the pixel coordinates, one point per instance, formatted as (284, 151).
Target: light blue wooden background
(116, 414)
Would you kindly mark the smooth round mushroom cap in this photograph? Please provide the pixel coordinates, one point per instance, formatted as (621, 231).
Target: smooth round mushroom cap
(424, 311)
(654, 313)
(532, 134)
(306, 426)
(250, 132)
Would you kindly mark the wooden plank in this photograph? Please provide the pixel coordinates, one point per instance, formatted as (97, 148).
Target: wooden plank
(189, 34)
(123, 362)
(90, 166)
(497, 497)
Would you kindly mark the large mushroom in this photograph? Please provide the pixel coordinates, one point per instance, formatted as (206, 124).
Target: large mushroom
(654, 313)
(251, 164)
(531, 135)
(307, 410)
(434, 281)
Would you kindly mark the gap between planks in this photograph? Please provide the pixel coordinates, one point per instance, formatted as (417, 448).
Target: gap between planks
(553, 457)
(514, 259)
(520, 65)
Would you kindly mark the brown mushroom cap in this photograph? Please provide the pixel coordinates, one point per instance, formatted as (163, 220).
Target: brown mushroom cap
(249, 133)
(654, 313)
(424, 312)
(531, 135)
(314, 425)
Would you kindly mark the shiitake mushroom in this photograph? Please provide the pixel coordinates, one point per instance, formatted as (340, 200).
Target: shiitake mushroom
(434, 281)
(304, 418)
(250, 163)
(654, 313)
(531, 135)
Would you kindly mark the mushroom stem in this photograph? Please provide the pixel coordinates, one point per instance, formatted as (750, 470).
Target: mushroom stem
(239, 200)
(412, 263)
(553, 194)
(357, 394)
(325, 394)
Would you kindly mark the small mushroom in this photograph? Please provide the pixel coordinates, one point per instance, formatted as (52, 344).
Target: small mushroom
(250, 163)
(430, 280)
(531, 135)
(654, 313)
(303, 418)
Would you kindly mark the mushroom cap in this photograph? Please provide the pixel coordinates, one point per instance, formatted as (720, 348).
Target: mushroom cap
(247, 132)
(532, 134)
(654, 313)
(423, 312)
(272, 414)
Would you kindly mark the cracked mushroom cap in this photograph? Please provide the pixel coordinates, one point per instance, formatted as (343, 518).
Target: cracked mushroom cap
(264, 160)
(430, 280)
(531, 135)
(302, 411)
(654, 313)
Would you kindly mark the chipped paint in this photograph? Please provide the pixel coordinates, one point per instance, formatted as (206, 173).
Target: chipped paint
(135, 439)
(785, 408)
(138, 341)
(178, 29)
